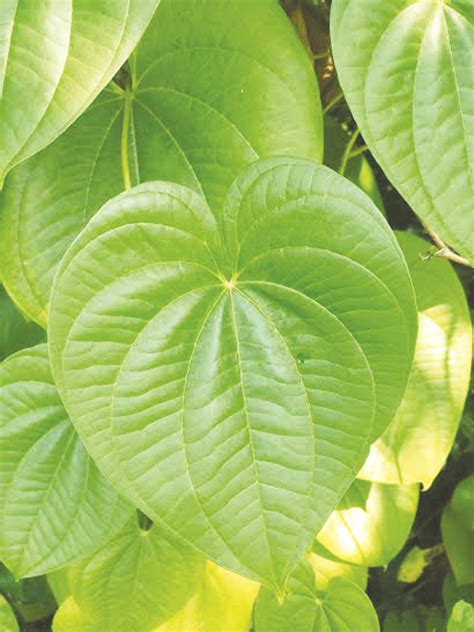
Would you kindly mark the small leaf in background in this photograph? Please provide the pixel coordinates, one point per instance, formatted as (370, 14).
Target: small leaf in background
(406, 72)
(15, 331)
(453, 593)
(462, 618)
(416, 444)
(457, 527)
(202, 98)
(357, 169)
(341, 606)
(136, 581)
(415, 562)
(224, 601)
(224, 388)
(8, 622)
(371, 523)
(56, 58)
(55, 506)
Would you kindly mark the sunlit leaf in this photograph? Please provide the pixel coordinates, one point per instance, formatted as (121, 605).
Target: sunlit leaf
(462, 618)
(342, 606)
(326, 566)
(136, 581)
(224, 601)
(55, 58)
(55, 506)
(225, 388)
(8, 622)
(406, 70)
(209, 91)
(372, 523)
(417, 442)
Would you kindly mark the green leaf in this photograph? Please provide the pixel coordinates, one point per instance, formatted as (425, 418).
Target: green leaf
(136, 581)
(405, 67)
(371, 524)
(8, 622)
(55, 506)
(416, 445)
(15, 331)
(453, 593)
(342, 606)
(457, 528)
(327, 566)
(358, 169)
(55, 58)
(224, 601)
(203, 99)
(462, 618)
(225, 388)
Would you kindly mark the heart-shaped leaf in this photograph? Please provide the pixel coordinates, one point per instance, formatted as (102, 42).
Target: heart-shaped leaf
(208, 91)
(342, 606)
(361, 530)
(224, 370)
(139, 579)
(55, 58)
(415, 446)
(327, 566)
(55, 506)
(406, 70)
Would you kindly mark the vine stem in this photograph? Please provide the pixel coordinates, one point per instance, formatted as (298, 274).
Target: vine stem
(347, 151)
(444, 252)
(124, 142)
(332, 102)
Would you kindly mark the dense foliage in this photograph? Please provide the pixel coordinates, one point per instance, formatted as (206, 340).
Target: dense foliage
(235, 322)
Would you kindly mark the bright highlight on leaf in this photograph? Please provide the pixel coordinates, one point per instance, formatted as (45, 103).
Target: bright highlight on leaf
(202, 99)
(417, 443)
(55, 506)
(362, 530)
(226, 371)
(406, 70)
(55, 58)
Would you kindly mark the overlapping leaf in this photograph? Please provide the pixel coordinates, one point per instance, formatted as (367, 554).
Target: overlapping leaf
(15, 331)
(406, 70)
(55, 506)
(210, 89)
(416, 444)
(55, 58)
(227, 370)
(342, 606)
(135, 582)
(372, 523)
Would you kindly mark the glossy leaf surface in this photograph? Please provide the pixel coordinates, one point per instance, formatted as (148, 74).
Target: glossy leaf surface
(208, 91)
(136, 581)
(406, 70)
(342, 606)
(362, 529)
(222, 385)
(417, 443)
(55, 506)
(55, 58)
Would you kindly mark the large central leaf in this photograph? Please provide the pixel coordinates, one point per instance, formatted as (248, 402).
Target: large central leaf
(203, 98)
(227, 370)
(406, 70)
